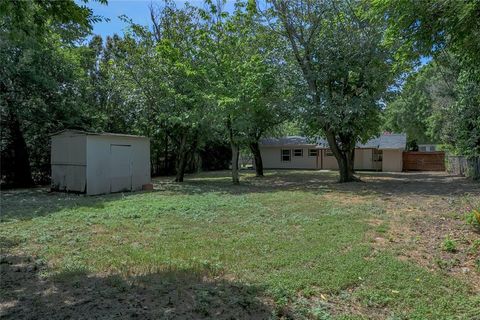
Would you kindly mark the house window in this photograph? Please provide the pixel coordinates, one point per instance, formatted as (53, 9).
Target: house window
(286, 154)
(312, 152)
(328, 153)
(298, 152)
(422, 148)
(377, 155)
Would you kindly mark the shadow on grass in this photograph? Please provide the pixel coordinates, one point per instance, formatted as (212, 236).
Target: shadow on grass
(25, 204)
(164, 295)
(273, 181)
(401, 183)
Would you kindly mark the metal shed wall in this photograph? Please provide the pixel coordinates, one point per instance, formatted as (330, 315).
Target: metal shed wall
(103, 161)
(69, 162)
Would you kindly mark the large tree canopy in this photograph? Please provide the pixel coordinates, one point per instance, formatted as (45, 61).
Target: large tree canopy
(40, 81)
(345, 67)
(201, 78)
(448, 90)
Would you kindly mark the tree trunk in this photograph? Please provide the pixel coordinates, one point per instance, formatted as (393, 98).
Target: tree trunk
(21, 174)
(235, 152)
(235, 156)
(181, 162)
(165, 165)
(345, 158)
(345, 164)
(255, 148)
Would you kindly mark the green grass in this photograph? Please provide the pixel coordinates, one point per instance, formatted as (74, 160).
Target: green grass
(286, 234)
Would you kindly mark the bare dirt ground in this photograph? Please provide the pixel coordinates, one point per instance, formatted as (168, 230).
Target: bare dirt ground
(425, 209)
(25, 294)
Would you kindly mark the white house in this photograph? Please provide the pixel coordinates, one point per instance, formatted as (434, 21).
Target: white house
(427, 147)
(98, 163)
(380, 154)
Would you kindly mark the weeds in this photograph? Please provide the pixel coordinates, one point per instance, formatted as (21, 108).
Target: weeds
(449, 245)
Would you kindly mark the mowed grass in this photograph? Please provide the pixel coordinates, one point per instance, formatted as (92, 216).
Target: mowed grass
(305, 246)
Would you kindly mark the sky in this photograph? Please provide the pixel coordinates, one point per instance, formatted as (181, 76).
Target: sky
(137, 10)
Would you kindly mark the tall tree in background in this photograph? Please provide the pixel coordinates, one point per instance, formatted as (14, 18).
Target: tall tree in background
(411, 109)
(345, 68)
(245, 69)
(447, 32)
(40, 73)
(166, 70)
(272, 104)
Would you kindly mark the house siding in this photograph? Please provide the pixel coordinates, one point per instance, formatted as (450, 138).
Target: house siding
(328, 162)
(392, 160)
(272, 159)
(380, 153)
(271, 156)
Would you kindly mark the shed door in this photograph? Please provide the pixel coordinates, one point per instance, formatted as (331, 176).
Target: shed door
(120, 168)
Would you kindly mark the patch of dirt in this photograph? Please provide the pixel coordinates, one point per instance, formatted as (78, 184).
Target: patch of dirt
(338, 306)
(419, 223)
(170, 295)
(345, 199)
(421, 241)
(422, 210)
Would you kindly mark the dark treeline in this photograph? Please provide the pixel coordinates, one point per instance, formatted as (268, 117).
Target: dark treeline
(205, 84)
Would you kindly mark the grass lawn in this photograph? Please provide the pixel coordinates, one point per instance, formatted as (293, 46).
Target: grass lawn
(294, 244)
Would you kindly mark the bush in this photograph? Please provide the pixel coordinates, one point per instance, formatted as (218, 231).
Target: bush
(473, 217)
(449, 245)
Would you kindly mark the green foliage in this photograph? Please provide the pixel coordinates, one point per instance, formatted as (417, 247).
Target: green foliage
(429, 27)
(449, 245)
(345, 67)
(248, 89)
(41, 81)
(459, 125)
(439, 103)
(443, 100)
(411, 110)
(472, 217)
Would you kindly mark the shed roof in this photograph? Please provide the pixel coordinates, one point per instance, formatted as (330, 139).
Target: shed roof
(385, 141)
(81, 132)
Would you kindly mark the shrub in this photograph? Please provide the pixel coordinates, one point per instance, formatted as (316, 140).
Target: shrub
(472, 216)
(449, 245)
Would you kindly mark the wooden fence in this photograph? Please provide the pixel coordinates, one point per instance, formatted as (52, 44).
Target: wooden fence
(423, 161)
(464, 166)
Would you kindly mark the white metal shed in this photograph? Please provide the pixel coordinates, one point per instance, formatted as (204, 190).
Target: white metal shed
(98, 163)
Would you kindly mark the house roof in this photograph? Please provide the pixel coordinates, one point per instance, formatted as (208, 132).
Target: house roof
(287, 141)
(80, 132)
(385, 141)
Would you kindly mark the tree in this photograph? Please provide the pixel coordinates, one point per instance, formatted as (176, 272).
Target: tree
(40, 76)
(447, 31)
(245, 69)
(273, 103)
(410, 110)
(345, 68)
(166, 70)
(430, 27)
